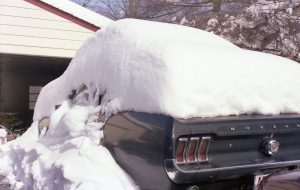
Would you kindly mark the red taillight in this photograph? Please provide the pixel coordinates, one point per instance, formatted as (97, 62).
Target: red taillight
(191, 150)
(203, 148)
(180, 154)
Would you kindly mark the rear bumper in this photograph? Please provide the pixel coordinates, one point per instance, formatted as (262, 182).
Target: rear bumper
(179, 175)
(287, 180)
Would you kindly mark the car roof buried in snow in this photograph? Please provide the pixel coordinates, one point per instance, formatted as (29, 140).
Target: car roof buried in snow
(175, 70)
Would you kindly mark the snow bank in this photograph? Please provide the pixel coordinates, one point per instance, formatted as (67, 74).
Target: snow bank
(175, 70)
(3, 133)
(68, 156)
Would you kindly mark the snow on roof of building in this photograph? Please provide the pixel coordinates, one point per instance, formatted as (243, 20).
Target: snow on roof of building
(175, 70)
(77, 11)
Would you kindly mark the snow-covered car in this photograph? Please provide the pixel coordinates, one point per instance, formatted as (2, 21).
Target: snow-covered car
(182, 108)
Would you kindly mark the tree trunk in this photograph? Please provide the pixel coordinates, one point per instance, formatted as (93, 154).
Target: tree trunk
(216, 5)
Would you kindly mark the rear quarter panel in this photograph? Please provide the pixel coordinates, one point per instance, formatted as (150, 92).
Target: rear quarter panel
(140, 142)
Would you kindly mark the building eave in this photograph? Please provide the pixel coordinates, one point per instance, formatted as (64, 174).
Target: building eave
(63, 14)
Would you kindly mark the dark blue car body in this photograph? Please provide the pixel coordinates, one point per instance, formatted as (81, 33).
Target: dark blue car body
(146, 147)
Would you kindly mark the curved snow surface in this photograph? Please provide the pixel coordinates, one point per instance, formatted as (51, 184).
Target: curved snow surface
(175, 70)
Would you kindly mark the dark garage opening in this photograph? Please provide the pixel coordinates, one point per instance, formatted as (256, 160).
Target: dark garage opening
(20, 81)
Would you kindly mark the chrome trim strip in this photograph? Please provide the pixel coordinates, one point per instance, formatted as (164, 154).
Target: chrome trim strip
(179, 175)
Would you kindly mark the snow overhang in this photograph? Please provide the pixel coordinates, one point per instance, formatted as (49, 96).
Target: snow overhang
(73, 12)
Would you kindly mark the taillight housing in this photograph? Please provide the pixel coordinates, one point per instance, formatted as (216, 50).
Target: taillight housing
(192, 150)
(203, 149)
(191, 155)
(181, 150)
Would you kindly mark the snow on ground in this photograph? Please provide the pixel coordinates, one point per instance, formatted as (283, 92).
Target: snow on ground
(3, 134)
(68, 156)
(142, 66)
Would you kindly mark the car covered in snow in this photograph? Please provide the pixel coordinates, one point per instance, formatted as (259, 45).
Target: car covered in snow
(183, 108)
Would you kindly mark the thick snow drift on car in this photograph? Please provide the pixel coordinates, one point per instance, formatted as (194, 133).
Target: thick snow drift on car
(142, 66)
(175, 70)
